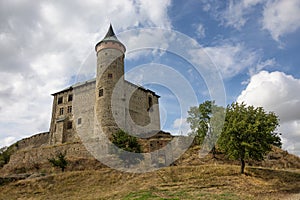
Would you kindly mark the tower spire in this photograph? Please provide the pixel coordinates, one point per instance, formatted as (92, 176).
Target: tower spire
(110, 32)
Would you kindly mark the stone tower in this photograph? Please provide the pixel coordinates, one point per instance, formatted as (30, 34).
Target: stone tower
(110, 112)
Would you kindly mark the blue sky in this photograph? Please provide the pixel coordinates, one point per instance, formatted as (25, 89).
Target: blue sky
(254, 45)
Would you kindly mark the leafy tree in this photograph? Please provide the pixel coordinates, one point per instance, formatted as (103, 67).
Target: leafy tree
(128, 143)
(59, 161)
(199, 120)
(248, 133)
(216, 123)
(206, 122)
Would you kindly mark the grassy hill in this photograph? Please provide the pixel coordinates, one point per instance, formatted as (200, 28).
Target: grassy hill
(175, 182)
(277, 177)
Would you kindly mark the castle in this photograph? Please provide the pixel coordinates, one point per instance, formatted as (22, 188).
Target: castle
(90, 112)
(108, 101)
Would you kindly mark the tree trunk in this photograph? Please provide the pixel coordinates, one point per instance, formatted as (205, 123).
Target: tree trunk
(242, 165)
(214, 152)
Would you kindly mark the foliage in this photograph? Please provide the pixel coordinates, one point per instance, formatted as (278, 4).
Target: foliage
(5, 154)
(127, 143)
(206, 122)
(59, 161)
(248, 133)
(199, 119)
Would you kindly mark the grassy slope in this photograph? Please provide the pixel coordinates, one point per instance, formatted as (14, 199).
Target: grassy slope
(180, 182)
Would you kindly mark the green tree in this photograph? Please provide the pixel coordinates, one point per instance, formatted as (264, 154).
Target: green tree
(206, 122)
(248, 133)
(198, 119)
(59, 161)
(128, 143)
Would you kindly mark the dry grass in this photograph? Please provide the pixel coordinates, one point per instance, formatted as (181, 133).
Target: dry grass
(192, 178)
(181, 182)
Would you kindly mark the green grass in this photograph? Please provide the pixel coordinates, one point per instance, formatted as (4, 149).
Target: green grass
(150, 195)
(155, 195)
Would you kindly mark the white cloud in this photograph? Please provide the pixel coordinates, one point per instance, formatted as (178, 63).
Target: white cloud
(278, 17)
(281, 17)
(179, 127)
(43, 44)
(235, 14)
(7, 141)
(278, 92)
(200, 30)
(231, 59)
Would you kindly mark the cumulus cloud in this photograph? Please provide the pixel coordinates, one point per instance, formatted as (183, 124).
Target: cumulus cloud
(43, 45)
(277, 92)
(281, 17)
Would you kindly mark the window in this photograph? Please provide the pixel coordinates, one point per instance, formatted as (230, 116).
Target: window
(69, 125)
(60, 100)
(61, 111)
(110, 75)
(69, 109)
(79, 121)
(150, 103)
(70, 97)
(100, 92)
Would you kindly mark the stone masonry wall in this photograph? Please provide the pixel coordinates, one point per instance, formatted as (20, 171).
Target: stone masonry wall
(142, 116)
(28, 159)
(34, 141)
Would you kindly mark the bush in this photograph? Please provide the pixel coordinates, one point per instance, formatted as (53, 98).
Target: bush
(59, 161)
(127, 143)
(5, 154)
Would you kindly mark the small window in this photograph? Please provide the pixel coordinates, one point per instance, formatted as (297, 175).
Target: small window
(69, 109)
(61, 111)
(110, 75)
(150, 104)
(150, 101)
(70, 97)
(100, 92)
(69, 125)
(79, 121)
(60, 100)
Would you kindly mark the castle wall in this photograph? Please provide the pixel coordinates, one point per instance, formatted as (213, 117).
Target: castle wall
(83, 112)
(26, 159)
(34, 141)
(142, 114)
(62, 127)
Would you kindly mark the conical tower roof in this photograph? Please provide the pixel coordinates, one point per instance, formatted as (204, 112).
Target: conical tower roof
(110, 37)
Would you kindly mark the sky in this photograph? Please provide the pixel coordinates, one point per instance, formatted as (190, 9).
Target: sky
(245, 51)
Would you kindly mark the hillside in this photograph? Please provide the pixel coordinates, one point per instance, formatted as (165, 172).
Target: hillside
(176, 182)
(191, 177)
